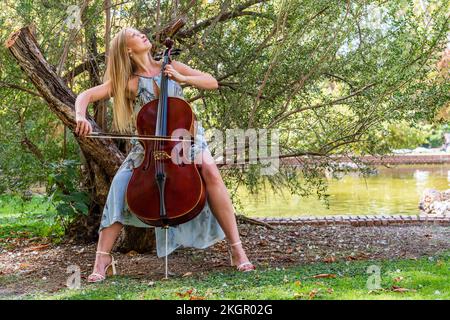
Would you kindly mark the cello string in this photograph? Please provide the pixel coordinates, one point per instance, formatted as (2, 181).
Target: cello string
(158, 144)
(160, 113)
(163, 106)
(158, 125)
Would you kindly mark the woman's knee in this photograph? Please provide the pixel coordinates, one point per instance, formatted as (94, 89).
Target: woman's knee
(114, 227)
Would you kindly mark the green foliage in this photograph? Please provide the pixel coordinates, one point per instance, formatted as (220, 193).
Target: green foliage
(63, 191)
(404, 136)
(28, 217)
(436, 136)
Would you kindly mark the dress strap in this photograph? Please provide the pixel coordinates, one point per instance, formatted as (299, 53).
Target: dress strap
(141, 76)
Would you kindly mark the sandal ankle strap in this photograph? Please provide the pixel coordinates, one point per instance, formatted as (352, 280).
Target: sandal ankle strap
(102, 252)
(235, 244)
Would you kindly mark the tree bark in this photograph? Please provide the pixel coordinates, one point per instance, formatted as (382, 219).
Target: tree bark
(141, 240)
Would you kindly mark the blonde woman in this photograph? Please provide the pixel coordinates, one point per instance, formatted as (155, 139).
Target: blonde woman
(133, 78)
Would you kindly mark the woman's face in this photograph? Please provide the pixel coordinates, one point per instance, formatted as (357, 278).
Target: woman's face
(137, 42)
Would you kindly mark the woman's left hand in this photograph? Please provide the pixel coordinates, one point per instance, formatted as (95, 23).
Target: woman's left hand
(174, 74)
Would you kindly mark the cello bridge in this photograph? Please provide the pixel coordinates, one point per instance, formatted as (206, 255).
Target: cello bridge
(161, 155)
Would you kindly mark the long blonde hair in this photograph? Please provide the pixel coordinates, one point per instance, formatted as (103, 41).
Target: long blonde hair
(119, 69)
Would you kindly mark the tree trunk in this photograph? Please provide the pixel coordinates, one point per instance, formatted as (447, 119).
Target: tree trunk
(141, 240)
(103, 157)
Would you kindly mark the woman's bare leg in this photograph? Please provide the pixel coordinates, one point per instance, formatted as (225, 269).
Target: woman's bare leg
(221, 205)
(105, 243)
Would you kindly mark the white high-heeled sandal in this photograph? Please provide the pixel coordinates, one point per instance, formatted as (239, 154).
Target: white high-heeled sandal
(99, 277)
(242, 265)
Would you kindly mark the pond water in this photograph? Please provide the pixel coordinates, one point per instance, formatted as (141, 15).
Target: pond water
(394, 190)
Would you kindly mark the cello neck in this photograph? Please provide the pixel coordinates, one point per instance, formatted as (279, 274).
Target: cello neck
(163, 96)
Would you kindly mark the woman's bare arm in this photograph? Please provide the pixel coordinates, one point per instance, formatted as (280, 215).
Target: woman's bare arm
(201, 80)
(93, 94)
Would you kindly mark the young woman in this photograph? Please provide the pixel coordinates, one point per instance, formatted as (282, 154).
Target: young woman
(133, 78)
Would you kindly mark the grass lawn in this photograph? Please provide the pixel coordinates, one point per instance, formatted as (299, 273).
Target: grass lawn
(425, 278)
(27, 219)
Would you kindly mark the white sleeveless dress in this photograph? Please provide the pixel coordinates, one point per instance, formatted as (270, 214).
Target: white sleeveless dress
(200, 232)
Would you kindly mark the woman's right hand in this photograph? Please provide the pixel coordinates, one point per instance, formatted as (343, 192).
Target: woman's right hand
(84, 127)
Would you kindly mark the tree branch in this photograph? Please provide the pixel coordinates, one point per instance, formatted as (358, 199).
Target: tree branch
(220, 18)
(15, 86)
(337, 101)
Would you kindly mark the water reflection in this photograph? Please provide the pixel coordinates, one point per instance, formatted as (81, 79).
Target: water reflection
(421, 177)
(394, 190)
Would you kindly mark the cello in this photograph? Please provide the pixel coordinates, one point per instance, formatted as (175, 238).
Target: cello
(166, 189)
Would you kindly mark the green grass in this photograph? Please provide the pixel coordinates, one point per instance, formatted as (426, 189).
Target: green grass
(27, 219)
(425, 278)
